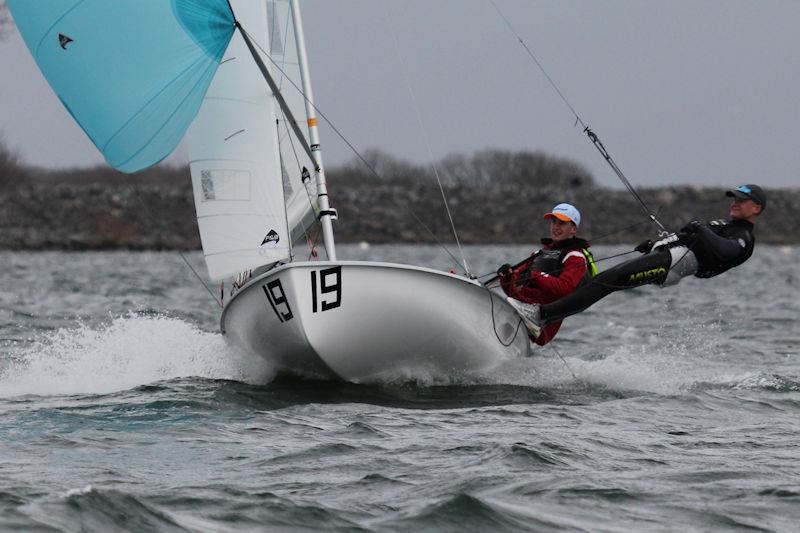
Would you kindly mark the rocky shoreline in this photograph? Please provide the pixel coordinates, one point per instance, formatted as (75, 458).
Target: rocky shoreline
(150, 216)
(99, 209)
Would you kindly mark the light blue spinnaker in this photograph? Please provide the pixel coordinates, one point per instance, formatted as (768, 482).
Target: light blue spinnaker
(132, 73)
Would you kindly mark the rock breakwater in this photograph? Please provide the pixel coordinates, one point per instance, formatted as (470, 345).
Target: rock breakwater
(100, 209)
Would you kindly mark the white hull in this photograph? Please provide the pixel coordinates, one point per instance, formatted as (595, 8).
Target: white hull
(362, 320)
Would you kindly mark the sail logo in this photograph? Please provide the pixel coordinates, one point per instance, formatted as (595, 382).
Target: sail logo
(647, 275)
(63, 40)
(271, 238)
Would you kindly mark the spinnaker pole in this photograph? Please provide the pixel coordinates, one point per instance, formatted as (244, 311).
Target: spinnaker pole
(326, 214)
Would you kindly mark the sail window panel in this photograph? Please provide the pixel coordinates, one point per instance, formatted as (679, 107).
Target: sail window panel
(229, 188)
(280, 30)
(225, 185)
(276, 32)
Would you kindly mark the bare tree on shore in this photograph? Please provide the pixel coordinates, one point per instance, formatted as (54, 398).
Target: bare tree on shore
(5, 19)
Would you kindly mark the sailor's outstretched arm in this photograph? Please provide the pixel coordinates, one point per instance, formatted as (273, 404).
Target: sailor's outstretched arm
(722, 248)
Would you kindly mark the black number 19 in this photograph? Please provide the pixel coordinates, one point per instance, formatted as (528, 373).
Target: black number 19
(326, 286)
(276, 297)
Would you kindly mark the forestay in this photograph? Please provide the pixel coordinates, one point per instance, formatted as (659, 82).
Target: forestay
(246, 165)
(131, 73)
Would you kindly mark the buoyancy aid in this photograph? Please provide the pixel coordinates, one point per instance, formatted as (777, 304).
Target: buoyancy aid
(550, 260)
(546, 261)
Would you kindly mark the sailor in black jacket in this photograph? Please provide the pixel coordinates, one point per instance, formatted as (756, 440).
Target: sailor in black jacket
(702, 250)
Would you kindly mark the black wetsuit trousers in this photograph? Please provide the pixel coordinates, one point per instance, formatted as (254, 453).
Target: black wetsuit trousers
(649, 268)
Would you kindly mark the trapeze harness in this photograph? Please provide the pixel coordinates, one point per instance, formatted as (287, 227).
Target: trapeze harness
(709, 250)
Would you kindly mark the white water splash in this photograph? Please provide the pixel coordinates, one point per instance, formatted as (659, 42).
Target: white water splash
(637, 366)
(77, 492)
(130, 351)
(663, 362)
(753, 380)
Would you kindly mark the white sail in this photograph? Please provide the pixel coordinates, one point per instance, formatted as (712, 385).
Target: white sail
(246, 177)
(300, 196)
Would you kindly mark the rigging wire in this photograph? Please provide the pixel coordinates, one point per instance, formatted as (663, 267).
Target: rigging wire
(151, 215)
(495, 277)
(619, 230)
(564, 361)
(593, 239)
(300, 167)
(304, 177)
(589, 133)
(594, 281)
(349, 145)
(425, 135)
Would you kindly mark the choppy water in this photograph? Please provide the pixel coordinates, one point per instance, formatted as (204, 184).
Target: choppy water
(122, 408)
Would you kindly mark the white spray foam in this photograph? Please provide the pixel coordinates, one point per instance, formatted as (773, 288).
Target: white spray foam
(632, 367)
(130, 351)
(666, 361)
(753, 380)
(77, 492)
(529, 371)
(663, 362)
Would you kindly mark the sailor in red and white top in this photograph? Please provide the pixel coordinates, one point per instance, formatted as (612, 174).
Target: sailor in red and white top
(556, 270)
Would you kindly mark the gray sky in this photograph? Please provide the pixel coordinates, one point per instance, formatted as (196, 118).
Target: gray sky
(702, 91)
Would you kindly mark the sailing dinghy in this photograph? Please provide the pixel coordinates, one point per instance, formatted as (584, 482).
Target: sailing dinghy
(137, 75)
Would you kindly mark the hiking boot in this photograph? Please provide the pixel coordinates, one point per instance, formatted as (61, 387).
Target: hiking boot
(529, 313)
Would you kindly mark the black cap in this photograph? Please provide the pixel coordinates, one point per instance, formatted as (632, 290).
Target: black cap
(753, 192)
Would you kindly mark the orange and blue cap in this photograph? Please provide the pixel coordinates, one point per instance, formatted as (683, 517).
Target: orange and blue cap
(566, 213)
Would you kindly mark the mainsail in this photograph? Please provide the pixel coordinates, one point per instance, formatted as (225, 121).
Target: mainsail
(247, 167)
(131, 73)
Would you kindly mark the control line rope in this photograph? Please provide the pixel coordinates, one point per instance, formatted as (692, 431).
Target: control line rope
(425, 136)
(197, 275)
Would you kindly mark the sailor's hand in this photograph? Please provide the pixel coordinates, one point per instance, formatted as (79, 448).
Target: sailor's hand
(644, 247)
(504, 271)
(690, 228)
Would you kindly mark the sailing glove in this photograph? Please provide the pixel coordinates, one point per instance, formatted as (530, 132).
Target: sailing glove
(644, 247)
(504, 271)
(691, 227)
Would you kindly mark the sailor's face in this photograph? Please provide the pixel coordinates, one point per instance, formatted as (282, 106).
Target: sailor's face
(560, 230)
(744, 209)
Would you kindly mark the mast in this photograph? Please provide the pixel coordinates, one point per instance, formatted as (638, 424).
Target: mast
(326, 213)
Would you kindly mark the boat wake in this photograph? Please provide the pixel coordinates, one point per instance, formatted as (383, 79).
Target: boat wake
(128, 352)
(136, 350)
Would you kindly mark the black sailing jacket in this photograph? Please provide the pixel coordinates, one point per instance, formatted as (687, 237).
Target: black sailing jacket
(721, 245)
